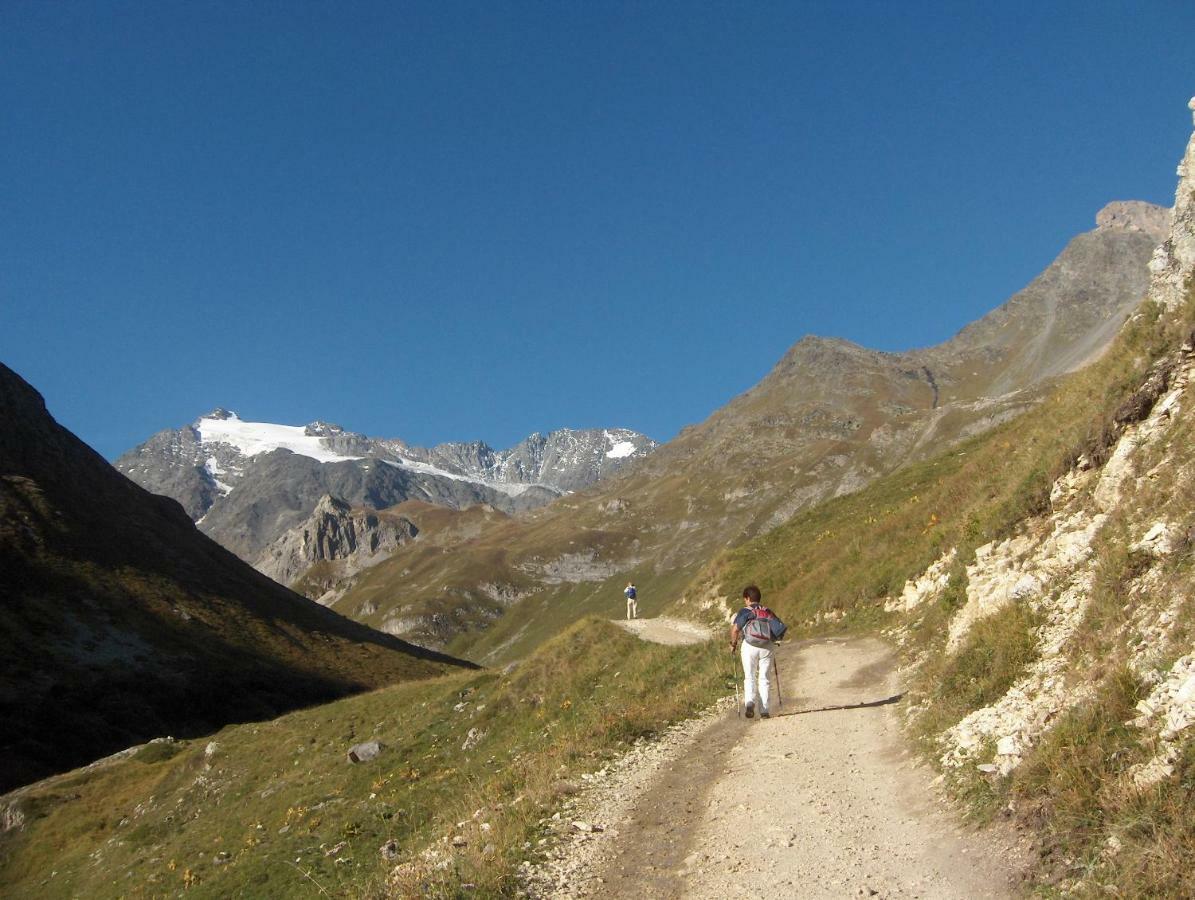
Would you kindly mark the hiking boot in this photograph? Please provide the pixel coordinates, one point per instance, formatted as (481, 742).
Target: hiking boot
(765, 715)
(749, 712)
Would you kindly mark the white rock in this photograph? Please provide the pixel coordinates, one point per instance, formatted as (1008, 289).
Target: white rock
(1008, 746)
(1160, 540)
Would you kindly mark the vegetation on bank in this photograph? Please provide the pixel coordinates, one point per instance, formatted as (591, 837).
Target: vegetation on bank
(833, 568)
(275, 809)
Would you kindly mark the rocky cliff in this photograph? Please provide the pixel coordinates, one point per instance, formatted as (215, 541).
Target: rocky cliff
(337, 538)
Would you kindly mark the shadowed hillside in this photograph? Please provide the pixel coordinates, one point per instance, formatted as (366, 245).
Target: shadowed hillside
(120, 622)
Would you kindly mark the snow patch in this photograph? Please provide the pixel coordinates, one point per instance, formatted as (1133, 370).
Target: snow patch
(212, 467)
(619, 449)
(410, 465)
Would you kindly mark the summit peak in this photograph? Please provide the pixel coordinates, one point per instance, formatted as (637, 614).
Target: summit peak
(1135, 215)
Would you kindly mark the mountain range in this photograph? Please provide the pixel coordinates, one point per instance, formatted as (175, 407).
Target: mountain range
(247, 483)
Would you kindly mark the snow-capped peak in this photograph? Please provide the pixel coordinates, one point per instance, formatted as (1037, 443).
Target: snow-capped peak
(252, 438)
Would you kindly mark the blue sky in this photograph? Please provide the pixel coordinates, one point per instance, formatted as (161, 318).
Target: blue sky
(450, 221)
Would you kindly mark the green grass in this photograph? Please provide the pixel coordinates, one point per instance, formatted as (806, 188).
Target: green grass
(996, 652)
(263, 820)
(538, 618)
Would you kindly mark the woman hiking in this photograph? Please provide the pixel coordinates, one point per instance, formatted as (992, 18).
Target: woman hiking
(759, 629)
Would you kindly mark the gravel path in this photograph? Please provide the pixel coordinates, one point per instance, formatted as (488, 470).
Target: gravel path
(664, 630)
(823, 800)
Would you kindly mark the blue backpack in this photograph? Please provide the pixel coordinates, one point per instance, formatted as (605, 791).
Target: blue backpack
(630, 593)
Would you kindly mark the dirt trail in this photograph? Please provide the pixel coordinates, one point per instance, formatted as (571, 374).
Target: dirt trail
(822, 800)
(665, 630)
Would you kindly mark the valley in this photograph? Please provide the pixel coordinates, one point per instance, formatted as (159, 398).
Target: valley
(983, 550)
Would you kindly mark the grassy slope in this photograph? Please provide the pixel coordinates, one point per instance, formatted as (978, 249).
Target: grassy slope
(436, 578)
(849, 554)
(279, 795)
(830, 416)
(832, 567)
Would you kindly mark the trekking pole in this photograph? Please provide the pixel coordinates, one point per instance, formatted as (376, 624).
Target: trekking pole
(734, 675)
(776, 669)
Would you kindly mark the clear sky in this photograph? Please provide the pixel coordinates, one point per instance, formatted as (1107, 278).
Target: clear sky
(448, 221)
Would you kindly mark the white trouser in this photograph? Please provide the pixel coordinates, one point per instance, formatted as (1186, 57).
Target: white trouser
(632, 608)
(756, 659)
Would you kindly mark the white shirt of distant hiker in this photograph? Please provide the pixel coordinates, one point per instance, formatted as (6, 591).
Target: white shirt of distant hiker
(632, 600)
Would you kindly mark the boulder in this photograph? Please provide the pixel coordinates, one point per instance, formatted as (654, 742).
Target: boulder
(360, 753)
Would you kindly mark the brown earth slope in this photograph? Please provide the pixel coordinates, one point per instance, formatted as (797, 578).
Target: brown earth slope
(120, 622)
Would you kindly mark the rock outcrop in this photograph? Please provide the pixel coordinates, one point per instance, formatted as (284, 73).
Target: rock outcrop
(1051, 567)
(347, 539)
(1133, 215)
(1174, 260)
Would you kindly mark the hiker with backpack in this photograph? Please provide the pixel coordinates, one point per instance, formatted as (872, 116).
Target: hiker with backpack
(632, 601)
(759, 629)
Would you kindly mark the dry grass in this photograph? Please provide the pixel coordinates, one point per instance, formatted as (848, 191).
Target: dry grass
(279, 797)
(1098, 828)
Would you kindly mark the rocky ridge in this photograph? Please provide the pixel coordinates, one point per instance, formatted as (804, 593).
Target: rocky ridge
(344, 539)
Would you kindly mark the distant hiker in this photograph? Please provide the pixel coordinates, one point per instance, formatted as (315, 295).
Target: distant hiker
(759, 629)
(632, 602)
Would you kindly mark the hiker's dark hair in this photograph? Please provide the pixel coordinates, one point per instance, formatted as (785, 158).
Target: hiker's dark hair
(751, 592)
